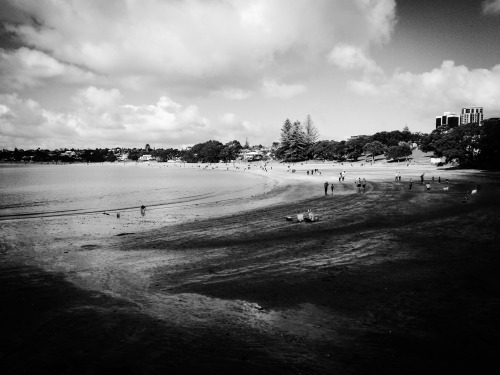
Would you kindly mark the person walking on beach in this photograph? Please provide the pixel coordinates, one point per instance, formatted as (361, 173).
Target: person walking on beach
(411, 183)
(332, 187)
(340, 176)
(422, 178)
(326, 187)
(343, 175)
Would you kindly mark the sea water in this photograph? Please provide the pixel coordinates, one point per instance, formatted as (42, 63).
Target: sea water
(53, 190)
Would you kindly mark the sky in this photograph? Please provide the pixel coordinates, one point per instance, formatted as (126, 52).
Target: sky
(173, 73)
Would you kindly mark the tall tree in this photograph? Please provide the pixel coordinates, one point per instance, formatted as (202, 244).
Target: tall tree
(310, 131)
(285, 133)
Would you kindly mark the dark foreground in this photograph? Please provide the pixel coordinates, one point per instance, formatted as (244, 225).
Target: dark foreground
(387, 282)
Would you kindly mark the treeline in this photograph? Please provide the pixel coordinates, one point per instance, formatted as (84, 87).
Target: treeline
(471, 145)
(300, 142)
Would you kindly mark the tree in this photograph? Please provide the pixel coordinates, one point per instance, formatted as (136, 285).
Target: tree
(374, 148)
(230, 151)
(400, 151)
(297, 145)
(310, 131)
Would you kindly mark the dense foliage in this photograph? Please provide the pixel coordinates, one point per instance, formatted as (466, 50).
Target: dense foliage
(469, 145)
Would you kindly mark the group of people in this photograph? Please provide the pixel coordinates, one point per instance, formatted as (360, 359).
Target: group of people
(360, 184)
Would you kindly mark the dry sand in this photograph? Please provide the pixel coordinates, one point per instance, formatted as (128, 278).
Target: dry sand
(387, 281)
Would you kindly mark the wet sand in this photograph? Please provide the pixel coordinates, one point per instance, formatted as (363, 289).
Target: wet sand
(387, 281)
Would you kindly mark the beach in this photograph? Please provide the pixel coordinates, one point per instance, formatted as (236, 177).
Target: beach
(389, 280)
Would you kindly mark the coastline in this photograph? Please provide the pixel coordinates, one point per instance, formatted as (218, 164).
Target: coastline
(239, 287)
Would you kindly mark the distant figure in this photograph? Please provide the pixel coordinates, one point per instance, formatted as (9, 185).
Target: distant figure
(118, 215)
(428, 186)
(308, 173)
(439, 179)
(396, 176)
(364, 184)
(411, 183)
(340, 176)
(332, 187)
(326, 187)
(399, 176)
(358, 184)
(432, 178)
(447, 181)
(343, 175)
(422, 178)
(143, 210)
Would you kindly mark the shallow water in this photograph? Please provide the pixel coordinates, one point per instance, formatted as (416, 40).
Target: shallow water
(50, 190)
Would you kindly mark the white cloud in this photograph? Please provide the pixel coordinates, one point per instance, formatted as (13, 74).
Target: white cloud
(449, 87)
(352, 57)
(165, 123)
(491, 7)
(29, 68)
(273, 89)
(199, 40)
(98, 99)
(25, 122)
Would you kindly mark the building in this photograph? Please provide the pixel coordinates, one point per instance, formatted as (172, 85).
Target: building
(471, 115)
(450, 119)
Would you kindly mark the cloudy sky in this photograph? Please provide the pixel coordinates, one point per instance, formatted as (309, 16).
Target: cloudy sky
(171, 73)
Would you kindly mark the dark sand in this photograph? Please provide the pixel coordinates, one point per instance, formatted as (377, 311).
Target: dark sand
(389, 281)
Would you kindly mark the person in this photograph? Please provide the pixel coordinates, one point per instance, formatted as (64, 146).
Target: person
(447, 181)
(364, 184)
(358, 184)
(411, 183)
(422, 178)
(399, 176)
(343, 175)
(340, 176)
(143, 210)
(439, 179)
(396, 176)
(326, 187)
(428, 186)
(332, 187)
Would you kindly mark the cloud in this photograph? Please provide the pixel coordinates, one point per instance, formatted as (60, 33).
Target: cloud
(95, 99)
(165, 123)
(25, 122)
(491, 7)
(351, 57)
(449, 87)
(273, 89)
(26, 67)
(200, 41)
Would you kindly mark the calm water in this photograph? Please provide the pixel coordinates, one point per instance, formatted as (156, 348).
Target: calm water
(65, 189)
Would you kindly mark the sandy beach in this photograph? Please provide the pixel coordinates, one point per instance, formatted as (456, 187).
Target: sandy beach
(389, 280)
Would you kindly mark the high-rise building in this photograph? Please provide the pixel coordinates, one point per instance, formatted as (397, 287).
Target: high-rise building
(471, 115)
(448, 118)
